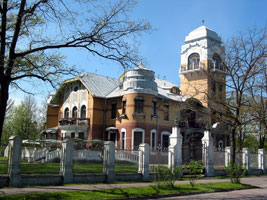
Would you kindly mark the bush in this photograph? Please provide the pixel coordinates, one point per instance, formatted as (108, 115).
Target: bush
(194, 168)
(166, 176)
(235, 172)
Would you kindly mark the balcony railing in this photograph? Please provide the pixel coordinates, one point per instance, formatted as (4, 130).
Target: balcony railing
(217, 67)
(74, 121)
(191, 68)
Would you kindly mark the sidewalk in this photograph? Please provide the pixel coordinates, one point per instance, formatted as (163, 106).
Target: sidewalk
(83, 187)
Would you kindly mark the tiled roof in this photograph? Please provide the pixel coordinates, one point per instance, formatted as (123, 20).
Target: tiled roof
(99, 86)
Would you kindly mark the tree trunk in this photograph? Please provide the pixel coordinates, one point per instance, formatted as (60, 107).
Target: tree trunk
(4, 87)
(233, 146)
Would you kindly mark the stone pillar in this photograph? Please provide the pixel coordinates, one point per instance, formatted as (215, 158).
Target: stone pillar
(227, 156)
(261, 159)
(208, 153)
(175, 149)
(14, 161)
(246, 159)
(144, 160)
(66, 160)
(109, 160)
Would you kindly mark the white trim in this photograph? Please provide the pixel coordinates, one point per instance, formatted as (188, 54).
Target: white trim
(123, 130)
(153, 131)
(138, 130)
(161, 137)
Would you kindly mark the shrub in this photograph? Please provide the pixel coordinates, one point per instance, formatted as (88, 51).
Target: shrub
(235, 172)
(194, 169)
(166, 176)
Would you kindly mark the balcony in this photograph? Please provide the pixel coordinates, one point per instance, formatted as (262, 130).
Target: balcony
(74, 121)
(217, 67)
(74, 124)
(195, 67)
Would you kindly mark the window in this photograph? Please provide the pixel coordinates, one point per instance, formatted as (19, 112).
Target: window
(113, 110)
(83, 111)
(81, 135)
(165, 140)
(139, 105)
(112, 136)
(66, 113)
(192, 119)
(76, 89)
(220, 87)
(213, 88)
(74, 112)
(123, 137)
(193, 61)
(137, 139)
(123, 107)
(154, 108)
(153, 141)
(72, 135)
(217, 61)
(166, 112)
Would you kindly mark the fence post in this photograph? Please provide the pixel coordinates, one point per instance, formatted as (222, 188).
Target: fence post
(109, 160)
(143, 164)
(246, 159)
(14, 161)
(227, 156)
(66, 160)
(175, 149)
(261, 159)
(208, 151)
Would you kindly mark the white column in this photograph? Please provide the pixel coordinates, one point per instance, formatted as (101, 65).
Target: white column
(109, 161)
(261, 159)
(14, 161)
(208, 152)
(246, 158)
(175, 149)
(66, 160)
(144, 160)
(227, 156)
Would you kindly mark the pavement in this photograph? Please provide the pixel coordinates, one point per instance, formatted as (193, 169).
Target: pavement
(260, 182)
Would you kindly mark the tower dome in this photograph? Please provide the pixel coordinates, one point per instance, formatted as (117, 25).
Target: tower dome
(202, 32)
(140, 80)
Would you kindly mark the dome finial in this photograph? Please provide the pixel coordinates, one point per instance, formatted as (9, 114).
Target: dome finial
(203, 21)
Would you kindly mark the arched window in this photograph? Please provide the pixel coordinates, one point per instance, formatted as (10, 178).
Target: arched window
(193, 61)
(218, 61)
(83, 111)
(66, 113)
(74, 112)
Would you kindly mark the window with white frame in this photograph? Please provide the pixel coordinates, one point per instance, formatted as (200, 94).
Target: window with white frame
(123, 139)
(165, 140)
(137, 137)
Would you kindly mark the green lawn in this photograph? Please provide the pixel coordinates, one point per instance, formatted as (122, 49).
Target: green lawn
(53, 168)
(127, 192)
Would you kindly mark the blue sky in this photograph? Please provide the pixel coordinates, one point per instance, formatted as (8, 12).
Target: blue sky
(173, 20)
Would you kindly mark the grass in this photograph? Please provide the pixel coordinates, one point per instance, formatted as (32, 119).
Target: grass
(128, 192)
(53, 168)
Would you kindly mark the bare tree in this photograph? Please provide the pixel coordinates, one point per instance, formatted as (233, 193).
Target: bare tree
(33, 31)
(258, 94)
(245, 59)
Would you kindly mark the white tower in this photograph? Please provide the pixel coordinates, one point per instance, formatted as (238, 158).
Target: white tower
(202, 72)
